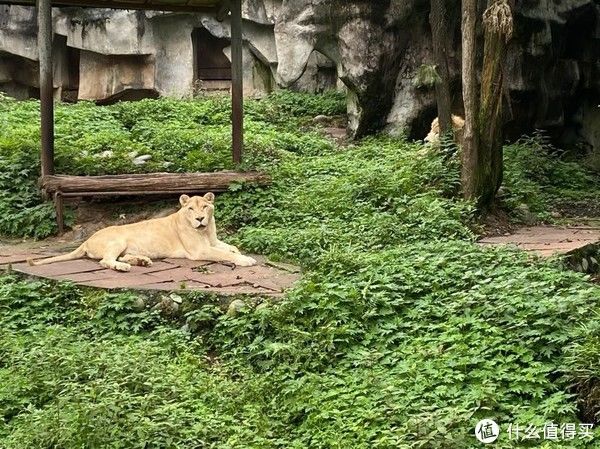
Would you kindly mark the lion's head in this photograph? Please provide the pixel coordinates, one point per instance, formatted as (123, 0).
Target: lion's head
(198, 210)
(458, 123)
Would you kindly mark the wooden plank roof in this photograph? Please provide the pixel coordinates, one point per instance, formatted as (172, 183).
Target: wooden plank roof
(157, 5)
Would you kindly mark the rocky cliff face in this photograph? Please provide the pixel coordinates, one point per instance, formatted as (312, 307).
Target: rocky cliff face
(105, 54)
(101, 53)
(553, 68)
(373, 48)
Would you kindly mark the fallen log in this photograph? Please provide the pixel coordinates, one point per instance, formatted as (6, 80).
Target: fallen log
(146, 184)
(59, 186)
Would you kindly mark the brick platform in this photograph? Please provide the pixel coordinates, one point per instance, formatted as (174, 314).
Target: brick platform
(548, 240)
(265, 279)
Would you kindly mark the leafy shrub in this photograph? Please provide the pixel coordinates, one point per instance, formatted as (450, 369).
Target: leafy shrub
(374, 194)
(536, 175)
(405, 347)
(22, 211)
(283, 104)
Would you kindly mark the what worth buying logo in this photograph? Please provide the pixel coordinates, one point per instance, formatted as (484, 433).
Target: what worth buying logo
(488, 431)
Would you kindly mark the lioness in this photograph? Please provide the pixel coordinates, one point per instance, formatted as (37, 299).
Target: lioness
(458, 124)
(189, 233)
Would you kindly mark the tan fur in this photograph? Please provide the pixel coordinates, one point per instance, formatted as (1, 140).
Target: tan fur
(458, 125)
(190, 233)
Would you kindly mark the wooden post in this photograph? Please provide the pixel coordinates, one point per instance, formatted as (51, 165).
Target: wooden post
(45, 33)
(237, 84)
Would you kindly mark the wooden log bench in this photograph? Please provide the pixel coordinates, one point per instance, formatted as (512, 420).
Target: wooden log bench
(58, 187)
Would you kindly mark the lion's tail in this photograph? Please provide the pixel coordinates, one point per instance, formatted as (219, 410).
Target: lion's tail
(77, 254)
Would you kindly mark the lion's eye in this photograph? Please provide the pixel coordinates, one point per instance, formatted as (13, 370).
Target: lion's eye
(190, 208)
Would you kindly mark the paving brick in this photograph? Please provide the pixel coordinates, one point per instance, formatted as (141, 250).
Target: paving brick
(225, 267)
(280, 283)
(16, 258)
(273, 279)
(86, 277)
(121, 282)
(283, 266)
(165, 275)
(156, 267)
(547, 240)
(176, 274)
(187, 263)
(59, 268)
(217, 279)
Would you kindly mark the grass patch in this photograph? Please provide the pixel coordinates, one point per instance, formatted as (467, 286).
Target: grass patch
(179, 135)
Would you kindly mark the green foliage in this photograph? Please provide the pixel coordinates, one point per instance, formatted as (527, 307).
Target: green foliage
(582, 369)
(373, 195)
(22, 211)
(426, 77)
(536, 175)
(179, 135)
(406, 347)
(282, 105)
(402, 333)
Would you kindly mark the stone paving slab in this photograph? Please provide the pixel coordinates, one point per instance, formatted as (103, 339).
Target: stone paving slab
(84, 277)
(6, 259)
(547, 241)
(59, 268)
(266, 278)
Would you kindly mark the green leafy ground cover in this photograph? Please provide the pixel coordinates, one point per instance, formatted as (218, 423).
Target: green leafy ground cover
(179, 135)
(545, 179)
(402, 334)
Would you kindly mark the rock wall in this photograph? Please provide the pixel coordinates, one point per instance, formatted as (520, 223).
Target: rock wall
(553, 67)
(102, 54)
(371, 47)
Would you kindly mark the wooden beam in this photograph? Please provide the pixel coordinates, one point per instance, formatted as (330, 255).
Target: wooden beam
(120, 5)
(237, 83)
(45, 33)
(148, 184)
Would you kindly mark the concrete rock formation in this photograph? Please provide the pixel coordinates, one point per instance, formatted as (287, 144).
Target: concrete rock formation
(105, 55)
(372, 48)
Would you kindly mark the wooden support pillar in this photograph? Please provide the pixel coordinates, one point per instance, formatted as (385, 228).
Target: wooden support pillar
(45, 33)
(237, 84)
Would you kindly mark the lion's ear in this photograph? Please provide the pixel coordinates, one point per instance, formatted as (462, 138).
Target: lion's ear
(210, 197)
(183, 199)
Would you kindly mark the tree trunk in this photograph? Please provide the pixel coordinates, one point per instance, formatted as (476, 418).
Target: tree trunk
(472, 168)
(441, 37)
(492, 82)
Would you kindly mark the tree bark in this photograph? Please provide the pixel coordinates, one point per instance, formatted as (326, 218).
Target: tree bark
(491, 114)
(440, 36)
(492, 84)
(471, 172)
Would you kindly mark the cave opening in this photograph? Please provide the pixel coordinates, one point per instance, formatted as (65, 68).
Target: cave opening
(66, 70)
(212, 67)
(579, 46)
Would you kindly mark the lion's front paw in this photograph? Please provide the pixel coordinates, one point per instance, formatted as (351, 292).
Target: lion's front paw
(228, 247)
(145, 261)
(245, 261)
(120, 266)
